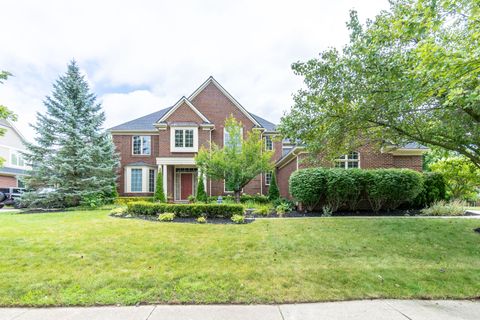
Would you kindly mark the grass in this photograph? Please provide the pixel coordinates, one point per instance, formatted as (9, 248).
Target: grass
(88, 258)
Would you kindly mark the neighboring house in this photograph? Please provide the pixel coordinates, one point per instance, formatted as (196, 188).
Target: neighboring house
(12, 143)
(169, 139)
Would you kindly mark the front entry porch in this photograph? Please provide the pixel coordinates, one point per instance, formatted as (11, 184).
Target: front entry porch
(180, 178)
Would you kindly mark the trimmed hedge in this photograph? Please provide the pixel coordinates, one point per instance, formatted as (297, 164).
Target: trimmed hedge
(336, 188)
(126, 200)
(433, 190)
(194, 210)
(257, 198)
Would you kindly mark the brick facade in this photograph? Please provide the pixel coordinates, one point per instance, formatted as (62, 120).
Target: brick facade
(206, 110)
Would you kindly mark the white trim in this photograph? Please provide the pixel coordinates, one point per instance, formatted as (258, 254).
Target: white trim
(176, 161)
(177, 105)
(271, 172)
(226, 94)
(132, 132)
(173, 148)
(145, 178)
(271, 140)
(10, 124)
(141, 146)
(345, 160)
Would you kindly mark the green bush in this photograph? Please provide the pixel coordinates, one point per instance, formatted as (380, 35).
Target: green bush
(159, 194)
(257, 198)
(193, 210)
(389, 188)
(308, 186)
(238, 219)
(201, 220)
(166, 217)
(118, 212)
(262, 210)
(336, 188)
(433, 190)
(201, 194)
(273, 192)
(122, 201)
(281, 209)
(443, 208)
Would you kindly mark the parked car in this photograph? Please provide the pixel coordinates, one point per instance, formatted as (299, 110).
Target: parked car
(8, 196)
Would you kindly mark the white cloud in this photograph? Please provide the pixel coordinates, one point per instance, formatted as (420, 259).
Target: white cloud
(167, 48)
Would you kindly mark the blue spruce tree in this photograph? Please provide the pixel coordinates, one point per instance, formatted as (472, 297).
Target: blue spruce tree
(72, 154)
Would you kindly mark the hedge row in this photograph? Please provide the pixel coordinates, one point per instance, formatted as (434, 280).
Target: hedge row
(257, 198)
(339, 188)
(125, 200)
(186, 210)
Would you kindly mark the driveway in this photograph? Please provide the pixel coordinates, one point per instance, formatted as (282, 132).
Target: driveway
(351, 310)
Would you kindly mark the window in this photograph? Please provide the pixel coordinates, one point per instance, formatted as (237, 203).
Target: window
(184, 139)
(136, 180)
(348, 161)
(16, 159)
(141, 145)
(226, 138)
(151, 180)
(268, 178)
(268, 143)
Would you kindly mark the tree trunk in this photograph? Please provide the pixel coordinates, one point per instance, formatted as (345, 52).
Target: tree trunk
(237, 196)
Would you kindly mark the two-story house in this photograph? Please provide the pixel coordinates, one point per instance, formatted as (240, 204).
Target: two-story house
(169, 139)
(12, 143)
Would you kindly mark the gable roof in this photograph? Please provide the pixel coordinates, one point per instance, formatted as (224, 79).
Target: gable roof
(228, 95)
(10, 125)
(144, 123)
(177, 105)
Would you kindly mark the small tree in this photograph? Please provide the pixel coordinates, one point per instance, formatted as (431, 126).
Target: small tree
(201, 194)
(159, 192)
(239, 161)
(462, 177)
(273, 193)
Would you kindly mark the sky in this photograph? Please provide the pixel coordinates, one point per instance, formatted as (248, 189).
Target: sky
(141, 56)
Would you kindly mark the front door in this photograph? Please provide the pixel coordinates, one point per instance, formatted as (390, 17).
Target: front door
(186, 185)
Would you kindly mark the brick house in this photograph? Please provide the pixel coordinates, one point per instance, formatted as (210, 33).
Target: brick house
(169, 139)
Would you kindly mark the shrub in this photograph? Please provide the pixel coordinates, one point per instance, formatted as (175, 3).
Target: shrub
(388, 188)
(191, 199)
(262, 211)
(308, 186)
(118, 212)
(201, 194)
(442, 208)
(122, 201)
(273, 192)
(289, 203)
(186, 210)
(166, 217)
(201, 220)
(238, 219)
(159, 194)
(383, 188)
(281, 209)
(433, 190)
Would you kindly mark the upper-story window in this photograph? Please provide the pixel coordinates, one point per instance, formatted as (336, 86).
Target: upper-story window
(348, 161)
(141, 145)
(184, 139)
(16, 159)
(268, 143)
(227, 140)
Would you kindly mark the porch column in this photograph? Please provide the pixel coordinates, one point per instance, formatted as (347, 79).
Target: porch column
(165, 187)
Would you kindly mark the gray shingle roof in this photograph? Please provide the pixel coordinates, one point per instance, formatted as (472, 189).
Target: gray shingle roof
(146, 122)
(413, 145)
(143, 123)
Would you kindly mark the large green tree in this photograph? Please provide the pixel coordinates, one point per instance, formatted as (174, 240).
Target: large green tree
(5, 113)
(238, 161)
(72, 154)
(411, 74)
(462, 177)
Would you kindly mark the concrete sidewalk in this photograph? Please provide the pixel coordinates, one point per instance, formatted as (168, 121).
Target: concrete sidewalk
(357, 310)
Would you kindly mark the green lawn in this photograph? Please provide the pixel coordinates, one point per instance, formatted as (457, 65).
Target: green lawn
(87, 257)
